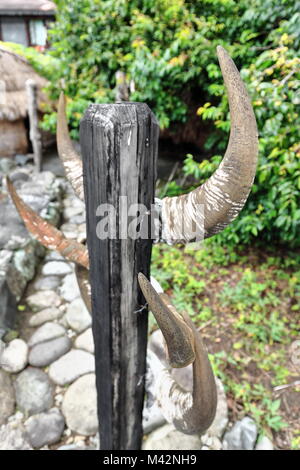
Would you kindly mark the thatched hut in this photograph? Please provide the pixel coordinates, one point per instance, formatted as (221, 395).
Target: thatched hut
(14, 125)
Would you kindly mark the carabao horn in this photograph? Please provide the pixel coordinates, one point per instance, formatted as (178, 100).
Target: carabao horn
(189, 412)
(69, 157)
(48, 235)
(208, 209)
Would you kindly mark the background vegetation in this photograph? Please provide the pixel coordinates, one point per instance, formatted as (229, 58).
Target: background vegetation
(167, 48)
(246, 303)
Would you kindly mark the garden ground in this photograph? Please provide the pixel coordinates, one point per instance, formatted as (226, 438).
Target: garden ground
(246, 304)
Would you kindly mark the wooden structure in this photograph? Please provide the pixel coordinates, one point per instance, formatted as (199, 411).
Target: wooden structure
(119, 146)
(34, 133)
(26, 22)
(14, 114)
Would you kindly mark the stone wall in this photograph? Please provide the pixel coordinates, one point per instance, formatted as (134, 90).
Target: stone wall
(19, 252)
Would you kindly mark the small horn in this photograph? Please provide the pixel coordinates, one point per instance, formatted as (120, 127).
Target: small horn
(208, 209)
(71, 160)
(48, 235)
(189, 412)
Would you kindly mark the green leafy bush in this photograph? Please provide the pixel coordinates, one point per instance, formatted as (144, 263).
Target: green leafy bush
(273, 210)
(167, 47)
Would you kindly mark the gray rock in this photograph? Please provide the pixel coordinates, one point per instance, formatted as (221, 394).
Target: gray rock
(69, 289)
(45, 428)
(54, 256)
(156, 344)
(15, 356)
(77, 219)
(72, 211)
(43, 299)
(264, 443)
(152, 418)
(7, 165)
(56, 268)
(46, 332)
(242, 435)
(46, 315)
(23, 264)
(80, 406)
(75, 447)
(43, 354)
(63, 321)
(34, 391)
(211, 442)
(220, 422)
(82, 232)
(8, 304)
(7, 397)
(94, 441)
(13, 224)
(47, 283)
(168, 438)
(37, 196)
(152, 414)
(22, 159)
(19, 175)
(26, 255)
(69, 230)
(42, 181)
(85, 341)
(71, 366)
(78, 316)
(13, 437)
(72, 200)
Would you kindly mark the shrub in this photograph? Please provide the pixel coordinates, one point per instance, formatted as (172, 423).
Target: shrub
(272, 212)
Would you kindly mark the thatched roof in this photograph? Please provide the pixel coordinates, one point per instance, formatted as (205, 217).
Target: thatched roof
(27, 7)
(14, 71)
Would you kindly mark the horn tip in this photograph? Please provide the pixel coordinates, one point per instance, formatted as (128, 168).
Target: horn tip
(61, 101)
(142, 278)
(221, 52)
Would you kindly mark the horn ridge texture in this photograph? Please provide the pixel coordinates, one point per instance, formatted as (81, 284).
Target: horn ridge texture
(71, 160)
(207, 210)
(189, 412)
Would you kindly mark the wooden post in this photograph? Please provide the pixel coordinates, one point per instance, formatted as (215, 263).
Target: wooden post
(119, 147)
(34, 132)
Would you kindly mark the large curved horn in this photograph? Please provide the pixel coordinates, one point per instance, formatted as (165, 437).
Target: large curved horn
(48, 235)
(208, 209)
(70, 159)
(189, 412)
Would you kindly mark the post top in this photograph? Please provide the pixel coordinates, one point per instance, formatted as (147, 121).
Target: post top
(120, 112)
